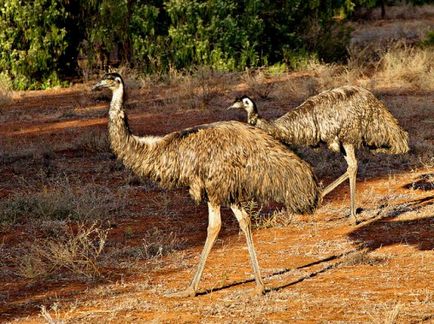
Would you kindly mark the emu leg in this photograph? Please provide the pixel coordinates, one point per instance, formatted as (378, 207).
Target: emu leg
(350, 157)
(334, 184)
(214, 225)
(245, 225)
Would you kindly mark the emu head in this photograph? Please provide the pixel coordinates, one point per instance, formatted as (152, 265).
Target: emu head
(245, 103)
(112, 81)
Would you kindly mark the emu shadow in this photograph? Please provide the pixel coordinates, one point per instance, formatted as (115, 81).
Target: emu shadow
(378, 233)
(386, 231)
(287, 270)
(424, 182)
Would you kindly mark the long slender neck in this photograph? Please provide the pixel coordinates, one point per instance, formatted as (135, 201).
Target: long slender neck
(119, 133)
(252, 117)
(137, 153)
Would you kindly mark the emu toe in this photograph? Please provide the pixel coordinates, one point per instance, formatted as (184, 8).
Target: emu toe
(259, 290)
(189, 292)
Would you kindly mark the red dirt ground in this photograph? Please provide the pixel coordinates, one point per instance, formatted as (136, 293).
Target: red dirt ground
(317, 268)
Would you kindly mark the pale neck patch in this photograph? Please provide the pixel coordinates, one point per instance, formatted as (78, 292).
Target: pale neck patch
(116, 104)
(148, 140)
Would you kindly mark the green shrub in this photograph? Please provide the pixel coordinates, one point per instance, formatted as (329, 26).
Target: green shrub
(299, 59)
(221, 34)
(5, 88)
(429, 39)
(33, 42)
(43, 40)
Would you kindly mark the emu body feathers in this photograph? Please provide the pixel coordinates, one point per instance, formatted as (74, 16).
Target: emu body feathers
(348, 114)
(225, 162)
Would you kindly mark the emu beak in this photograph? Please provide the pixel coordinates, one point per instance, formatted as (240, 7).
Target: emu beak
(235, 105)
(98, 86)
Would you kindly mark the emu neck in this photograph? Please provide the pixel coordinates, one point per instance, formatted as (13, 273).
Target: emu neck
(119, 133)
(134, 151)
(252, 117)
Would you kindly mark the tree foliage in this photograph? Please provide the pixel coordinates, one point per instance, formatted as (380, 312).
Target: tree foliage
(43, 41)
(32, 39)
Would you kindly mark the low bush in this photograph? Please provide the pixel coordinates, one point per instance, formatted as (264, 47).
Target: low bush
(76, 251)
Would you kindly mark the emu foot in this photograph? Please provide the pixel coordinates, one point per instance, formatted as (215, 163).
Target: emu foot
(356, 221)
(189, 292)
(259, 290)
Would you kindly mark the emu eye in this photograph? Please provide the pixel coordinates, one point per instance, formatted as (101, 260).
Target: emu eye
(246, 102)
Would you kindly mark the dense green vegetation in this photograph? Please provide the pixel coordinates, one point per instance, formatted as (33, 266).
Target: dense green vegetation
(45, 42)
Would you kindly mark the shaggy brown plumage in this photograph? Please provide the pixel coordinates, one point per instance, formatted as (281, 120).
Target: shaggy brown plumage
(344, 118)
(226, 163)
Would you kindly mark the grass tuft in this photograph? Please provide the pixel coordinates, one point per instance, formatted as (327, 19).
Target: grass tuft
(60, 202)
(157, 244)
(75, 251)
(408, 66)
(277, 218)
(259, 83)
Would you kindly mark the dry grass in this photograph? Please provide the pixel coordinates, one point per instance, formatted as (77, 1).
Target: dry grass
(382, 36)
(296, 89)
(60, 201)
(92, 141)
(23, 148)
(75, 251)
(157, 243)
(259, 83)
(385, 313)
(399, 66)
(55, 310)
(276, 218)
(209, 85)
(133, 79)
(154, 245)
(408, 67)
(200, 88)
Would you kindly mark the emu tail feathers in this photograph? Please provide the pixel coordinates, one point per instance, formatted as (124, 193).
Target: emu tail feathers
(295, 186)
(384, 135)
(397, 143)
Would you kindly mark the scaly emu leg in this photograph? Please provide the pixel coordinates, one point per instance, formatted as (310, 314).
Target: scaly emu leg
(214, 225)
(245, 225)
(350, 174)
(350, 157)
(334, 184)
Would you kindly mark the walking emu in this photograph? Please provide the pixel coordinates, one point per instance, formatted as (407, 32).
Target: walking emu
(344, 118)
(226, 163)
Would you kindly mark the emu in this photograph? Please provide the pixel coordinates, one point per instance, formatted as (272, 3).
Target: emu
(224, 163)
(344, 119)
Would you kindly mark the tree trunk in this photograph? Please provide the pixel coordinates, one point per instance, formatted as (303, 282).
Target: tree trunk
(383, 9)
